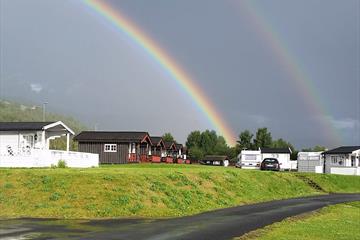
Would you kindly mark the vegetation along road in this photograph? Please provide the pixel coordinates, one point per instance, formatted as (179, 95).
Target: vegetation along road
(219, 224)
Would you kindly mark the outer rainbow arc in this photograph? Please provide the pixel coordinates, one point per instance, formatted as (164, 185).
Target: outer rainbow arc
(168, 64)
(292, 67)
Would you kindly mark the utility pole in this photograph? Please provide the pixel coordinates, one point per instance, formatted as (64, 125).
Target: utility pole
(44, 110)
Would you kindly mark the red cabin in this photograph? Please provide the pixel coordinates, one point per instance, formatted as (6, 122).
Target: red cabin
(157, 149)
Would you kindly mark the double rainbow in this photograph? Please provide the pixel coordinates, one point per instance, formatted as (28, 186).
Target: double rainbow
(291, 65)
(120, 22)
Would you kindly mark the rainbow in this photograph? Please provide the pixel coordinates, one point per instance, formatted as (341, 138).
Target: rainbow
(293, 68)
(203, 103)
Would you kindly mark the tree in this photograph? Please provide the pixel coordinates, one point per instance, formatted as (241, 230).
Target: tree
(263, 138)
(208, 142)
(167, 137)
(196, 153)
(193, 139)
(221, 148)
(317, 148)
(245, 140)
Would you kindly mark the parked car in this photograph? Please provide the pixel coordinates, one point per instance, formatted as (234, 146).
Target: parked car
(215, 160)
(270, 164)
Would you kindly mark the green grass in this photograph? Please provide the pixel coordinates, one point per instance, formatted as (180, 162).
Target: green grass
(146, 190)
(337, 222)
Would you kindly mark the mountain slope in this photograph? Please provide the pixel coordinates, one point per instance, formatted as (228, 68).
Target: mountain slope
(17, 112)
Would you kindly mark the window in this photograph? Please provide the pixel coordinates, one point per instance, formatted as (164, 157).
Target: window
(110, 148)
(334, 159)
(29, 141)
(353, 161)
(250, 157)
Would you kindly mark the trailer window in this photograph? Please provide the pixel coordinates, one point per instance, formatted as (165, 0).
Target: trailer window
(250, 157)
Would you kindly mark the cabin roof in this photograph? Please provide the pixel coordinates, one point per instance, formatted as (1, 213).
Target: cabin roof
(215, 157)
(276, 150)
(34, 126)
(18, 126)
(342, 150)
(170, 145)
(179, 146)
(156, 140)
(104, 136)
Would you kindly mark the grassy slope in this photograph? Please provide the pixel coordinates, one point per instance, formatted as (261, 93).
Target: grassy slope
(337, 222)
(148, 190)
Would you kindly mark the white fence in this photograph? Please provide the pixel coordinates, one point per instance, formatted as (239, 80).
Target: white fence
(48, 158)
(345, 170)
(293, 165)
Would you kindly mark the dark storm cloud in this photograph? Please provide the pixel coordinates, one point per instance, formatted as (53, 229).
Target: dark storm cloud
(60, 52)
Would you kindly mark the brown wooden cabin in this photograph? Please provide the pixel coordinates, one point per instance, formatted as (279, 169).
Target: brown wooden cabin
(116, 147)
(157, 149)
(170, 153)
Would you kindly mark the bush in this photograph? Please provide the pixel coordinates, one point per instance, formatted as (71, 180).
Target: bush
(61, 164)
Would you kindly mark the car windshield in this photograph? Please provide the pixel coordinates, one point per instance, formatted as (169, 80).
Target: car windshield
(270, 161)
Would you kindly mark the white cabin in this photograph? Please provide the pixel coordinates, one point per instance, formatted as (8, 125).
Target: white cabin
(26, 144)
(343, 160)
(310, 162)
(22, 137)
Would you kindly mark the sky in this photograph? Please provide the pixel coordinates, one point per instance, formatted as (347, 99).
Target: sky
(244, 55)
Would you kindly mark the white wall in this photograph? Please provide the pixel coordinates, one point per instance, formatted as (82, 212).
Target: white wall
(17, 142)
(8, 139)
(345, 170)
(46, 158)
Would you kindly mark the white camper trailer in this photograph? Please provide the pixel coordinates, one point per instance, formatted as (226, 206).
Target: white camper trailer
(249, 159)
(310, 162)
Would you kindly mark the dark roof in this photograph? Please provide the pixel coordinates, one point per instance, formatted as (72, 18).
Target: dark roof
(342, 150)
(215, 158)
(275, 150)
(179, 146)
(23, 126)
(156, 140)
(169, 144)
(97, 136)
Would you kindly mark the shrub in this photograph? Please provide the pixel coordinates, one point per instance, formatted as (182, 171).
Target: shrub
(61, 164)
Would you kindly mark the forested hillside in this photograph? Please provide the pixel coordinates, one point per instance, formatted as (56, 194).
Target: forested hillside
(16, 112)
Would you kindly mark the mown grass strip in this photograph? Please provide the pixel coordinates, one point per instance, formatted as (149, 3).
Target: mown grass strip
(149, 190)
(337, 222)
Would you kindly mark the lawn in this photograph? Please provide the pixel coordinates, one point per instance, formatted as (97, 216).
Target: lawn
(150, 190)
(337, 222)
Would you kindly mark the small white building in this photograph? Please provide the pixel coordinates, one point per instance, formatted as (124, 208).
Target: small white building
(26, 144)
(310, 162)
(343, 160)
(281, 154)
(249, 159)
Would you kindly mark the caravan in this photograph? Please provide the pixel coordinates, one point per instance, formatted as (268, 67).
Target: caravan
(249, 159)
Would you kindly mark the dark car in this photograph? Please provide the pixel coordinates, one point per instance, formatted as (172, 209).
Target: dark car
(270, 164)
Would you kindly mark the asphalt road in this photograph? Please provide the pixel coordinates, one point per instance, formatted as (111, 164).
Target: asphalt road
(219, 224)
